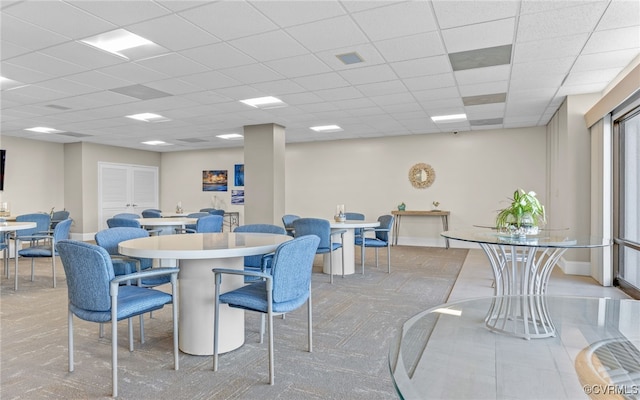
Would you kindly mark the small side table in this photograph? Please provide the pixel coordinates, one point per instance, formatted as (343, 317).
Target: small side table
(444, 216)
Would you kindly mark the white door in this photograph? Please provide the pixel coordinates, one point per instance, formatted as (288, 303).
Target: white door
(125, 188)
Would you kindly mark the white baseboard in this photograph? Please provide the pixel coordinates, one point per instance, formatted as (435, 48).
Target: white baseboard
(575, 267)
(83, 237)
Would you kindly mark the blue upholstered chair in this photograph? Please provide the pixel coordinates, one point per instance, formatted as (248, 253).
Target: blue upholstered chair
(43, 246)
(109, 239)
(127, 215)
(285, 289)
(58, 216)
(353, 216)
(322, 229)
(152, 213)
(123, 222)
(261, 263)
(216, 211)
(208, 224)
(192, 227)
(287, 221)
(382, 239)
(95, 295)
(43, 222)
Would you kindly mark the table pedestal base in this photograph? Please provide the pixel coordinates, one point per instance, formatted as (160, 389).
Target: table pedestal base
(349, 254)
(521, 271)
(197, 294)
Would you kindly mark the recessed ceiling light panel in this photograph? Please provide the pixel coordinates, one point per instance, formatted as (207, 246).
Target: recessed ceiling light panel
(43, 129)
(231, 136)
(125, 44)
(148, 117)
(326, 128)
(156, 143)
(264, 102)
(7, 84)
(449, 118)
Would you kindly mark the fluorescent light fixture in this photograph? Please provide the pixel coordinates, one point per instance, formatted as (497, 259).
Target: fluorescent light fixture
(124, 44)
(148, 117)
(449, 118)
(326, 128)
(448, 311)
(264, 102)
(43, 129)
(6, 83)
(231, 136)
(156, 143)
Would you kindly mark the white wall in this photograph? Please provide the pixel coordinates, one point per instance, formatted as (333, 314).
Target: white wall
(475, 173)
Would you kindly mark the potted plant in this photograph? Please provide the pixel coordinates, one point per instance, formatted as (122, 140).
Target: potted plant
(523, 216)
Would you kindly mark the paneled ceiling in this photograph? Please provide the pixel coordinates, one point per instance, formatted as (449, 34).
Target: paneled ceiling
(505, 64)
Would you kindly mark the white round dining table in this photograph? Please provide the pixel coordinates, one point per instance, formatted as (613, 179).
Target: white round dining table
(349, 246)
(198, 254)
(6, 228)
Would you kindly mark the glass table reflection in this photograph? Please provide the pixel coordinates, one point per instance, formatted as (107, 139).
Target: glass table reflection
(447, 353)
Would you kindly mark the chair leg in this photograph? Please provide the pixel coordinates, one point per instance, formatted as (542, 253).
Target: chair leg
(176, 333)
(342, 251)
(101, 330)
(310, 320)
(130, 331)
(271, 363)
(142, 328)
(376, 257)
(53, 263)
(362, 255)
(114, 352)
(216, 318)
(331, 262)
(389, 257)
(33, 265)
(15, 283)
(70, 334)
(262, 327)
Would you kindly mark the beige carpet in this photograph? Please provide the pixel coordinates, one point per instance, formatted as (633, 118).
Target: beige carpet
(355, 320)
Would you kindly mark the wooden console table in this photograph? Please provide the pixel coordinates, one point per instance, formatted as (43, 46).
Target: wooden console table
(444, 215)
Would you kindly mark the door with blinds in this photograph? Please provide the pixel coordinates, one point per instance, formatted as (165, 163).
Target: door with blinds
(125, 189)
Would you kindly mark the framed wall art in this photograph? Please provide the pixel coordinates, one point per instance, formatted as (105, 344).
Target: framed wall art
(239, 175)
(237, 197)
(214, 181)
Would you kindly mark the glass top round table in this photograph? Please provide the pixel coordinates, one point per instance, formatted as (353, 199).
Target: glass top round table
(446, 352)
(522, 266)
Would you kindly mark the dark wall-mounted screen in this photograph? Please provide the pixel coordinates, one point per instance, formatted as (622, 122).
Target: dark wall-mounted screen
(3, 154)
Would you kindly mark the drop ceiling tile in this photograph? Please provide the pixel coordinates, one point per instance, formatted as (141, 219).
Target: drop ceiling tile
(207, 97)
(479, 36)
(547, 49)
(84, 55)
(67, 87)
(27, 35)
(174, 86)
(211, 80)
(479, 89)
(241, 92)
(413, 17)
(620, 13)
(339, 94)
(481, 58)
(614, 39)
(229, 20)
(23, 74)
(328, 34)
(437, 65)
(559, 66)
(289, 13)
(252, 73)
(218, 56)
(482, 75)
(77, 24)
(122, 12)
(598, 78)
(376, 73)
(610, 59)
(537, 82)
(399, 98)
(279, 87)
(173, 32)
(304, 65)
(382, 88)
(444, 106)
(98, 80)
(54, 66)
(560, 22)
(485, 111)
(173, 64)
(322, 81)
(429, 82)
(452, 14)
(134, 72)
(303, 98)
(411, 47)
(435, 94)
(482, 99)
(9, 50)
(269, 46)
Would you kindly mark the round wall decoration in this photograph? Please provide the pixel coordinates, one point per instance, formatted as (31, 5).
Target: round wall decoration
(421, 175)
